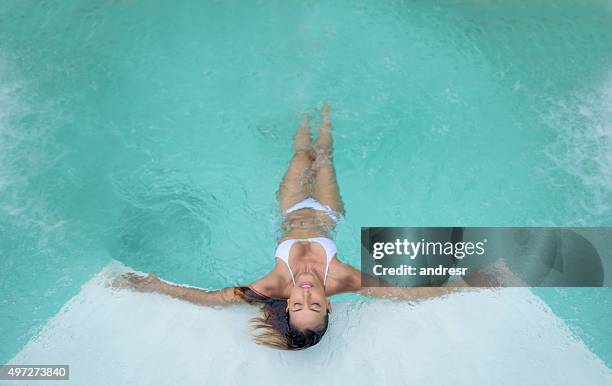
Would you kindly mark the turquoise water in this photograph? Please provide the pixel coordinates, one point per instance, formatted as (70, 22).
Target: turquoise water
(156, 133)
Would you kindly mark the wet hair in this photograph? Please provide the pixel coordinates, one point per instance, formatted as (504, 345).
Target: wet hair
(273, 327)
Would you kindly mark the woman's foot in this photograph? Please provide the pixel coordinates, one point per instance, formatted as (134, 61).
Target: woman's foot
(325, 121)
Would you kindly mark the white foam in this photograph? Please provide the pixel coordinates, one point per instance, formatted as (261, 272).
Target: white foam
(583, 148)
(7, 106)
(127, 338)
(15, 142)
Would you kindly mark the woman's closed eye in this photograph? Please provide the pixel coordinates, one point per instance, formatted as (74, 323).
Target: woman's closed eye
(313, 307)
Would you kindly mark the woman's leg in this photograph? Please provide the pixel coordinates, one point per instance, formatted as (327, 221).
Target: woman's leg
(296, 183)
(326, 189)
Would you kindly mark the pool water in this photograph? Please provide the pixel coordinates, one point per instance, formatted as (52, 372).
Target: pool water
(156, 133)
(503, 337)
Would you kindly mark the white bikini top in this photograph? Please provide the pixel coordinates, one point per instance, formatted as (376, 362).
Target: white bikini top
(283, 249)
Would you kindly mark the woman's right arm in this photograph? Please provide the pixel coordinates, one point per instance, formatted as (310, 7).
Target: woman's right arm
(414, 293)
(151, 283)
(377, 287)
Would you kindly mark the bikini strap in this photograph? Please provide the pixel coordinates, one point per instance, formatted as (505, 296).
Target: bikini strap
(282, 252)
(290, 271)
(325, 276)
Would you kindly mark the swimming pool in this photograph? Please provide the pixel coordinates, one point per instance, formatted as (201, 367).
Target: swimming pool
(156, 134)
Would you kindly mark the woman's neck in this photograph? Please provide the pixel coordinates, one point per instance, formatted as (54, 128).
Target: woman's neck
(313, 269)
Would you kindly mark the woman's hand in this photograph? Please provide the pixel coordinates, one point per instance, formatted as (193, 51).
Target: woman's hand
(149, 283)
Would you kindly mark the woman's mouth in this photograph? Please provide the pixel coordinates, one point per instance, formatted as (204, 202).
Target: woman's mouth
(305, 284)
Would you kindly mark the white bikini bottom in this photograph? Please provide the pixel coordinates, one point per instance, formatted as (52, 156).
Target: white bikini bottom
(310, 202)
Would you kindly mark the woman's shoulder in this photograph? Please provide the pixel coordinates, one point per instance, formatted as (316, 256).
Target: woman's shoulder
(342, 277)
(273, 285)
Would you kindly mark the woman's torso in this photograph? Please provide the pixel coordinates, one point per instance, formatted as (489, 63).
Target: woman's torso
(306, 223)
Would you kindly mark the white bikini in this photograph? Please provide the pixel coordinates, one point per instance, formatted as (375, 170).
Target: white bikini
(283, 249)
(310, 202)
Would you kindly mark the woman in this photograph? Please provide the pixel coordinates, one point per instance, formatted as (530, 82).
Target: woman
(294, 296)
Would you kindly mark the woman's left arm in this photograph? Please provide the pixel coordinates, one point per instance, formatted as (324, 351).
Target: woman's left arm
(151, 283)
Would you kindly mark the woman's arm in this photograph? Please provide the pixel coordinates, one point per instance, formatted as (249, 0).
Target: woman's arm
(414, 293)
(351, 280)
(376, 287)
(151, 283)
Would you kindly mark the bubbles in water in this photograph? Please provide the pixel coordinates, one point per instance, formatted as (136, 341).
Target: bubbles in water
(584, 148)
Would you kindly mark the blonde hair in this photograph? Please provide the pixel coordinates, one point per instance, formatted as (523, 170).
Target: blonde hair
(273, 329)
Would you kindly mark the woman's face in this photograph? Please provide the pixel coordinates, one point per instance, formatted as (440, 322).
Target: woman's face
(307, 304)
